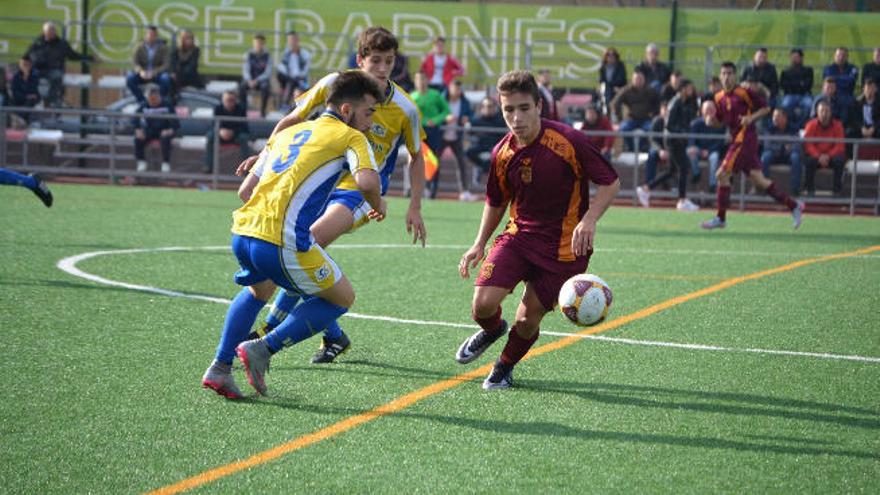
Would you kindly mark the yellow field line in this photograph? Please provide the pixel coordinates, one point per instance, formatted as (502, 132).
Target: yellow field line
(411, 398)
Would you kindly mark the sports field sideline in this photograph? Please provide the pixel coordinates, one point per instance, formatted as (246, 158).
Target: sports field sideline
(739, 360)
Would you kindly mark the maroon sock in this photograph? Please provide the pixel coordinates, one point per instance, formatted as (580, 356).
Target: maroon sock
(516, 347)
(492, 324)
(780, 196)
(723, 202)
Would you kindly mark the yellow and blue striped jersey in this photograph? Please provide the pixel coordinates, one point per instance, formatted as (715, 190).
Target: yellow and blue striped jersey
(396, 120)
(303, 165)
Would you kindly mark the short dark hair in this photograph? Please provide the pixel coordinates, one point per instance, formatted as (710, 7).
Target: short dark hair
(152, 27)
(830, 79)
(519, 81)
(352, 86)
(259, 36)
(376, 39)
(292, 33)
(684, 83)
(868, 80)
(728, 65)
(440, 38)
(762, 49)
(796, 50)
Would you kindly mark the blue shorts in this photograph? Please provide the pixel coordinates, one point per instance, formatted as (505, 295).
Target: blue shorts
(305, 272)
(355, 202)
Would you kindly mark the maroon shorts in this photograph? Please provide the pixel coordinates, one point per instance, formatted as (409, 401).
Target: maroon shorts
(512, 260)
(742, 157)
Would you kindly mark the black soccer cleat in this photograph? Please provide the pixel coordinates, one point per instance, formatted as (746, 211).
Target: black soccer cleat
(500, 378)
(475, 345)
(330, 349)
(42, 191)
(260, 332)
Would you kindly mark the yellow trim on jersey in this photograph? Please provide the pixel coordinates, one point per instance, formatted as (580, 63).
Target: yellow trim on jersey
(304, 164)
(396, 117)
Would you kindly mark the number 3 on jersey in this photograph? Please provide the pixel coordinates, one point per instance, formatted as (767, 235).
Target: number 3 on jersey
(299, 139)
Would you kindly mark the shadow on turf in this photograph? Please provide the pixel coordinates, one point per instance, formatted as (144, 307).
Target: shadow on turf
(711, 402)
(365, 367)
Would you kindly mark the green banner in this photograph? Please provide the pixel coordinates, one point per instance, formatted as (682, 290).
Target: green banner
(488, 39)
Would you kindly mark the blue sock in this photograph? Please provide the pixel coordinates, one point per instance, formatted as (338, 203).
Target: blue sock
(239, 319)
(309, 318)
(333, 330)
(11, 178)
(283, 305)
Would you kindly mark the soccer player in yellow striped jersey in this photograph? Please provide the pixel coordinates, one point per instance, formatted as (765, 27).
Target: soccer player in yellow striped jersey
(397, 121)
(271, 237)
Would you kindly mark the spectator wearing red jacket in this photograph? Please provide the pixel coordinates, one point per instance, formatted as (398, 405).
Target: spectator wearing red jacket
(441, 67)
(824, 154)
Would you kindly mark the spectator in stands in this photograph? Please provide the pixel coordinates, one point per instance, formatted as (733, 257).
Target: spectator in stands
(434, 110)
(148, 129)
(680, 112)
(872, 69)
(845, 75)
(49, 52)
(612, 75)
(670, 89)
(400, 72)
(256, 73)
(229, 131)
(25, 87)
(482, 141)
(824, 154)
(185, 62)
(865, 122)
(657, 154)
(642, 104)
(656, 72)
(151, 63)
(441, 67)
(763, 72)
(707, 148)
(797, 84)
(829, 94)
(293, 71)
(783, 152)
(713, 88)
(548, 101)
(460, 115)
(5, 100)
(595, 121)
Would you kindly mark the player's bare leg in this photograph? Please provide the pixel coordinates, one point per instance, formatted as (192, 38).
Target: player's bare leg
(486, 311)
(336, 221)
(522, 336)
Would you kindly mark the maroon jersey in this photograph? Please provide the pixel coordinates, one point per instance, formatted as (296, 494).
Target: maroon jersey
(733, 106)
(547, 186)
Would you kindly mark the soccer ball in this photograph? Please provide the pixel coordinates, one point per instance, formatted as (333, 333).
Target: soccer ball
(585, 299)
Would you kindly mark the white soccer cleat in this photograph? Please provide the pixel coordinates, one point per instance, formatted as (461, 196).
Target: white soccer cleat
(685, 204)
(644, 196)
(797, 214)
(166, 167)
(141, 166)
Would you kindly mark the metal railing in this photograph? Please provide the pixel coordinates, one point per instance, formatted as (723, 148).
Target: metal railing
(117, 124)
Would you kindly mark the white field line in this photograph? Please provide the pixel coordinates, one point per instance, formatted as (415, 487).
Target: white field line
(68, 265)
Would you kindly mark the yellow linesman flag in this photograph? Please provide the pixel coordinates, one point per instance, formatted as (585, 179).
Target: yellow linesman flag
(431, 162)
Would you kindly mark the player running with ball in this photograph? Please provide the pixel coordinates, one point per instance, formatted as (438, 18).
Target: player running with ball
(541, 170)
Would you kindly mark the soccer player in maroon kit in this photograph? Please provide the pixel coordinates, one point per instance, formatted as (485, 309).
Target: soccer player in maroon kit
(739, 108)
(542, 170)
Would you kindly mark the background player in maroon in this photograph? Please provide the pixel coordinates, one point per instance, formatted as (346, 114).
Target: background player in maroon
(739, 108)
(541, 170)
